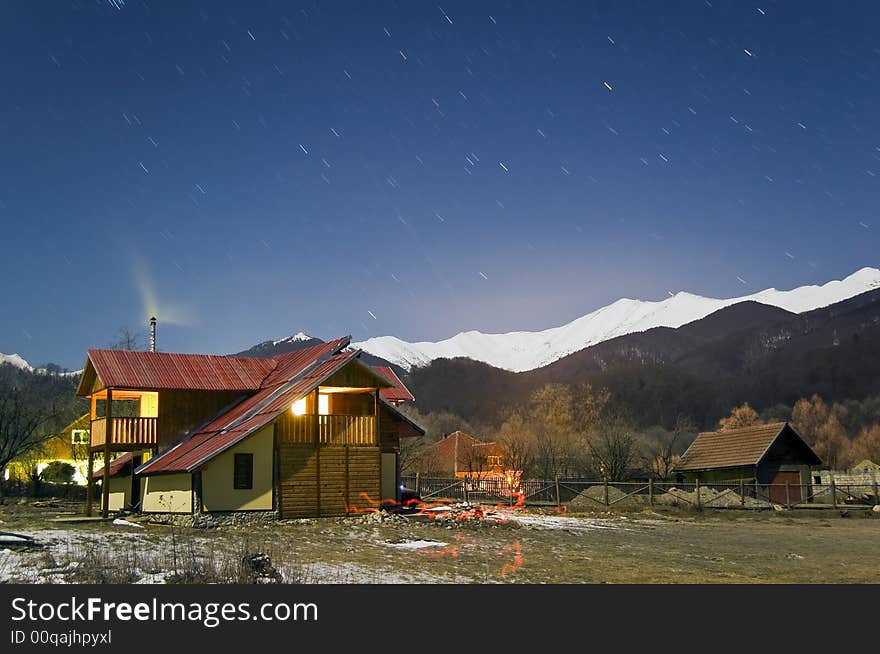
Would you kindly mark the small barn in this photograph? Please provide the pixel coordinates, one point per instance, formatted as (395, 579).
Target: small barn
(771, 455)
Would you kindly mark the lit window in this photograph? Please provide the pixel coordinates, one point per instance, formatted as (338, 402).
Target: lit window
(323, 404)
(299, 407)
(79, 436)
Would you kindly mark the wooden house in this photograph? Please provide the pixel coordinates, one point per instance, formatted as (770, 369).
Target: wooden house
(302, 434)
(771, 455)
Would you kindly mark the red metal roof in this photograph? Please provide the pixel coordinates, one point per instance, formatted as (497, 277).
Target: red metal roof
(246, 417)
(397, 393)
(165, 370)
(116, 466)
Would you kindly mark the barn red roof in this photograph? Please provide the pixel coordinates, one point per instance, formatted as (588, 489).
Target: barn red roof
(397, 393)
(166, 370)
(244, 418)
(274, 384)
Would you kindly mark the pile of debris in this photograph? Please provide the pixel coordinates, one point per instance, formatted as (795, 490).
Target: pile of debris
(709, 497)
(464, 514)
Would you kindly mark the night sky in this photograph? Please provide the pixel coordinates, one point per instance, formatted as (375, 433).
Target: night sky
(247, 170)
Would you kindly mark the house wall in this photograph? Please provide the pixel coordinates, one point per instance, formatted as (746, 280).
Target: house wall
(167, 493)
(218, 493)
(327, 481)
(120, 493)
(718, 475)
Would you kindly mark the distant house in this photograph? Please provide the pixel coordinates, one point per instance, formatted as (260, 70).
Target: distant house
(70, 445)
(773, 455)
(463, 455)
(302, 434)
(865, 474)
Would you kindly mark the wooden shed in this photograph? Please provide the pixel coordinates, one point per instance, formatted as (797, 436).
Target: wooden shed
(771, 455)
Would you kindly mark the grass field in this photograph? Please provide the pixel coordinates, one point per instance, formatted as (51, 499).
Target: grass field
(674, 546)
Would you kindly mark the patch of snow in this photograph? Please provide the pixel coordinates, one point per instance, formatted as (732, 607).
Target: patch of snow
(125, 523)
(521, 351)
(15, 360)
(296, 338)
(416, 544)
(559, 522)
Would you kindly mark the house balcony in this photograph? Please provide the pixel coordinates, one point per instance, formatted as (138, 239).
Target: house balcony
(358, 431)
(125, 433)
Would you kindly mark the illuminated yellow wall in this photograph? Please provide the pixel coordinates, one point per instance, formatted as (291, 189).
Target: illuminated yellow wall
(120, 493)
(217, 491)
(168, 493)
(149, 405)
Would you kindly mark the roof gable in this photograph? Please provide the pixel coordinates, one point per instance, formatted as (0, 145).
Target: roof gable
(398, 391)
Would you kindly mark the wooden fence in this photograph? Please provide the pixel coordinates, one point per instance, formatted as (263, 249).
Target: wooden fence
(742, 494)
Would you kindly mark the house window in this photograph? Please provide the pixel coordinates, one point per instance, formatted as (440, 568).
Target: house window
(79, 436)
(243, 474)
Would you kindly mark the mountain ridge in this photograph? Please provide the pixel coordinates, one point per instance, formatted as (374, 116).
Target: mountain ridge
(521, 351)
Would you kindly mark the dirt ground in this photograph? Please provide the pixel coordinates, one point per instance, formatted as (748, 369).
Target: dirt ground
(528, 546)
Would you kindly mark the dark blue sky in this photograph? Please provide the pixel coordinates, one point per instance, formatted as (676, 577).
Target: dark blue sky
(247, 170)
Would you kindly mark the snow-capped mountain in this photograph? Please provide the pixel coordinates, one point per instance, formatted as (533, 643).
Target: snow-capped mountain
(296, 338)
(15, 360)
(520, 351)
(297, 341)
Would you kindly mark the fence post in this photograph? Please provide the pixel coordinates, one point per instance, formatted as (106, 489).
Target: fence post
(742, 493)
(757, 496)
(697, 493)
(605, 491)
(788, 494)
(874, 486)
(833, 492)
(464, 487)
(650, 491)
(558, 502)
(418, 485)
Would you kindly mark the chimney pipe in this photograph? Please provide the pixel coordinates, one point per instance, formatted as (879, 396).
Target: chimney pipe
(153, 334)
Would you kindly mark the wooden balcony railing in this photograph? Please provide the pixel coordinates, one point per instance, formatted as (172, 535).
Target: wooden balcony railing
(332, 430)
(126, 431)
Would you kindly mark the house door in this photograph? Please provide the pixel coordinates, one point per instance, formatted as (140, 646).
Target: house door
(778, 492)
(389, 476)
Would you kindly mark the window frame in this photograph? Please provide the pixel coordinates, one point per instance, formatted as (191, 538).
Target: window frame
(248, 482)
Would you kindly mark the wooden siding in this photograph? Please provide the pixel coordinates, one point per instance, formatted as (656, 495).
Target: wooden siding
(356, 375)
(343, 480)
(182, 411)
(389, 430)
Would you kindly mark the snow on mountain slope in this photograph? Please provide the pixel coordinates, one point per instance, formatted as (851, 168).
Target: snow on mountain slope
(15, 360)
(520, 351)
(296, 338)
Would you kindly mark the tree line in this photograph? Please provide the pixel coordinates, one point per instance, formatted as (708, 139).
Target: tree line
(580, 431)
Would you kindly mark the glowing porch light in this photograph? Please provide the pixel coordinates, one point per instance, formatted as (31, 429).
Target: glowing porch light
(298, 408)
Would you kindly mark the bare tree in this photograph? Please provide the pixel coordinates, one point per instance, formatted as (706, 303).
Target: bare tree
(662, 447)
(412, 453)
(22, 426)
(519, 452)
(612, 445)
(128, 340)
